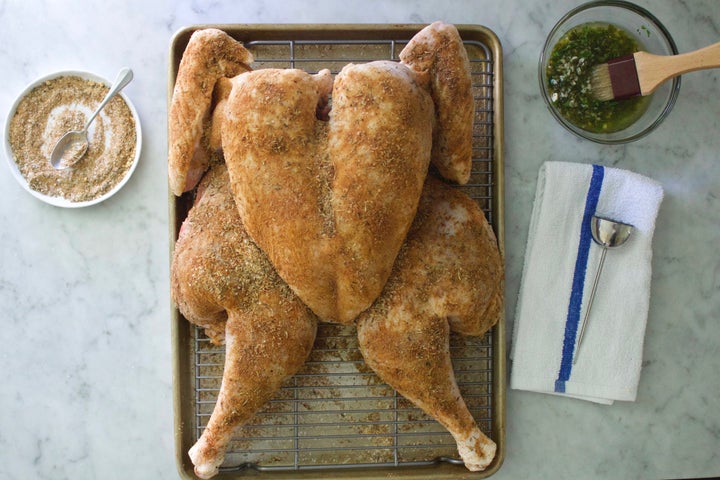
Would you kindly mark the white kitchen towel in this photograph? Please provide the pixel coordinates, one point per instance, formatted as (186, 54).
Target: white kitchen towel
(561, 261)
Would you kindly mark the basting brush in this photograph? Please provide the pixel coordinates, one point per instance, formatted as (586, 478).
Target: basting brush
(641, 73)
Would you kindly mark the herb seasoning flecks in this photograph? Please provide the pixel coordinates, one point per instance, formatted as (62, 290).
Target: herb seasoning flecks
(568, 75)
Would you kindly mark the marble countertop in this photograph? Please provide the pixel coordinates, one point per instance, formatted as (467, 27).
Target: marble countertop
(86, 356)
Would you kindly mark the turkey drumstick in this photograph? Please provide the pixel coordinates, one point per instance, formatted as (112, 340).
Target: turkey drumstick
(221, 281)
(448, 276)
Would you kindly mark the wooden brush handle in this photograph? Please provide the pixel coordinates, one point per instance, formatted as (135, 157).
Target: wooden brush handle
(653, 70)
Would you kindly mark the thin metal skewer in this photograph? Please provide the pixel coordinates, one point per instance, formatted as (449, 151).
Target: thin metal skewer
(608, 234)
(589, 306)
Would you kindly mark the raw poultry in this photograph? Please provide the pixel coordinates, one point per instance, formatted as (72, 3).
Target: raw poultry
(448, 276)
(325, 198)
(330, 200)
(437, 53)
(212, 55)
(222, 282)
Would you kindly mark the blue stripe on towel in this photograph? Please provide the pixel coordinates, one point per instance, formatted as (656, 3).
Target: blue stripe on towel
(578, 284)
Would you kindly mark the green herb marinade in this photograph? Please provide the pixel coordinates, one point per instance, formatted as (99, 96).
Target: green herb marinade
(568, 74)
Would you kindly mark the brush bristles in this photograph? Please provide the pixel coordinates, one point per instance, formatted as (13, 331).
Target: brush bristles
(600, 83)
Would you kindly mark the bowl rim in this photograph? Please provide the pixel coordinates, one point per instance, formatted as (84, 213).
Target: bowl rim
(675, 87)
(10, 155)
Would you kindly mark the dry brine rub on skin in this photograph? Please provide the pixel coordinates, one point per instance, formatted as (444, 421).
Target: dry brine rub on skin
(448, 277)
(52, 109)
(325, 199)
(569, 71)
(223, 282)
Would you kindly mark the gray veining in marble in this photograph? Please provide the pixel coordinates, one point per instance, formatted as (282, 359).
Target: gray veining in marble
(85, 332)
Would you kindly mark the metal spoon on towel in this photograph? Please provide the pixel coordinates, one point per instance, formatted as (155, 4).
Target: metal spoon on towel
(72, 146)
(608, 234)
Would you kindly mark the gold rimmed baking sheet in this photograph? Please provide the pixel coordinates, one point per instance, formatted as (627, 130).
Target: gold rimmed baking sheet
(335, 418)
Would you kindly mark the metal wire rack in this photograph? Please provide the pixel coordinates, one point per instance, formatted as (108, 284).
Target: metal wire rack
(336, 413)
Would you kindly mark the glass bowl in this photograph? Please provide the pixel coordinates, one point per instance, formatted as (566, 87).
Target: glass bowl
(652, 37)
(60, 201)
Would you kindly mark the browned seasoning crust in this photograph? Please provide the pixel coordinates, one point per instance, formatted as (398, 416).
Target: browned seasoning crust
(221, 281)
(210, 55)
(329, 202)
(448, 276)
(437, 51)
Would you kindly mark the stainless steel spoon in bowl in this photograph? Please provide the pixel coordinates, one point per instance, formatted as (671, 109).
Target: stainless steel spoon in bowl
(72, 146)
(608, 234)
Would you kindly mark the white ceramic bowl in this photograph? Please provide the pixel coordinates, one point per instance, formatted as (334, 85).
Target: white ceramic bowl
(60, 201)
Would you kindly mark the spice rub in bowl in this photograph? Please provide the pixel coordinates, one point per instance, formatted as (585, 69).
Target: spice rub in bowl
(54, 105)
